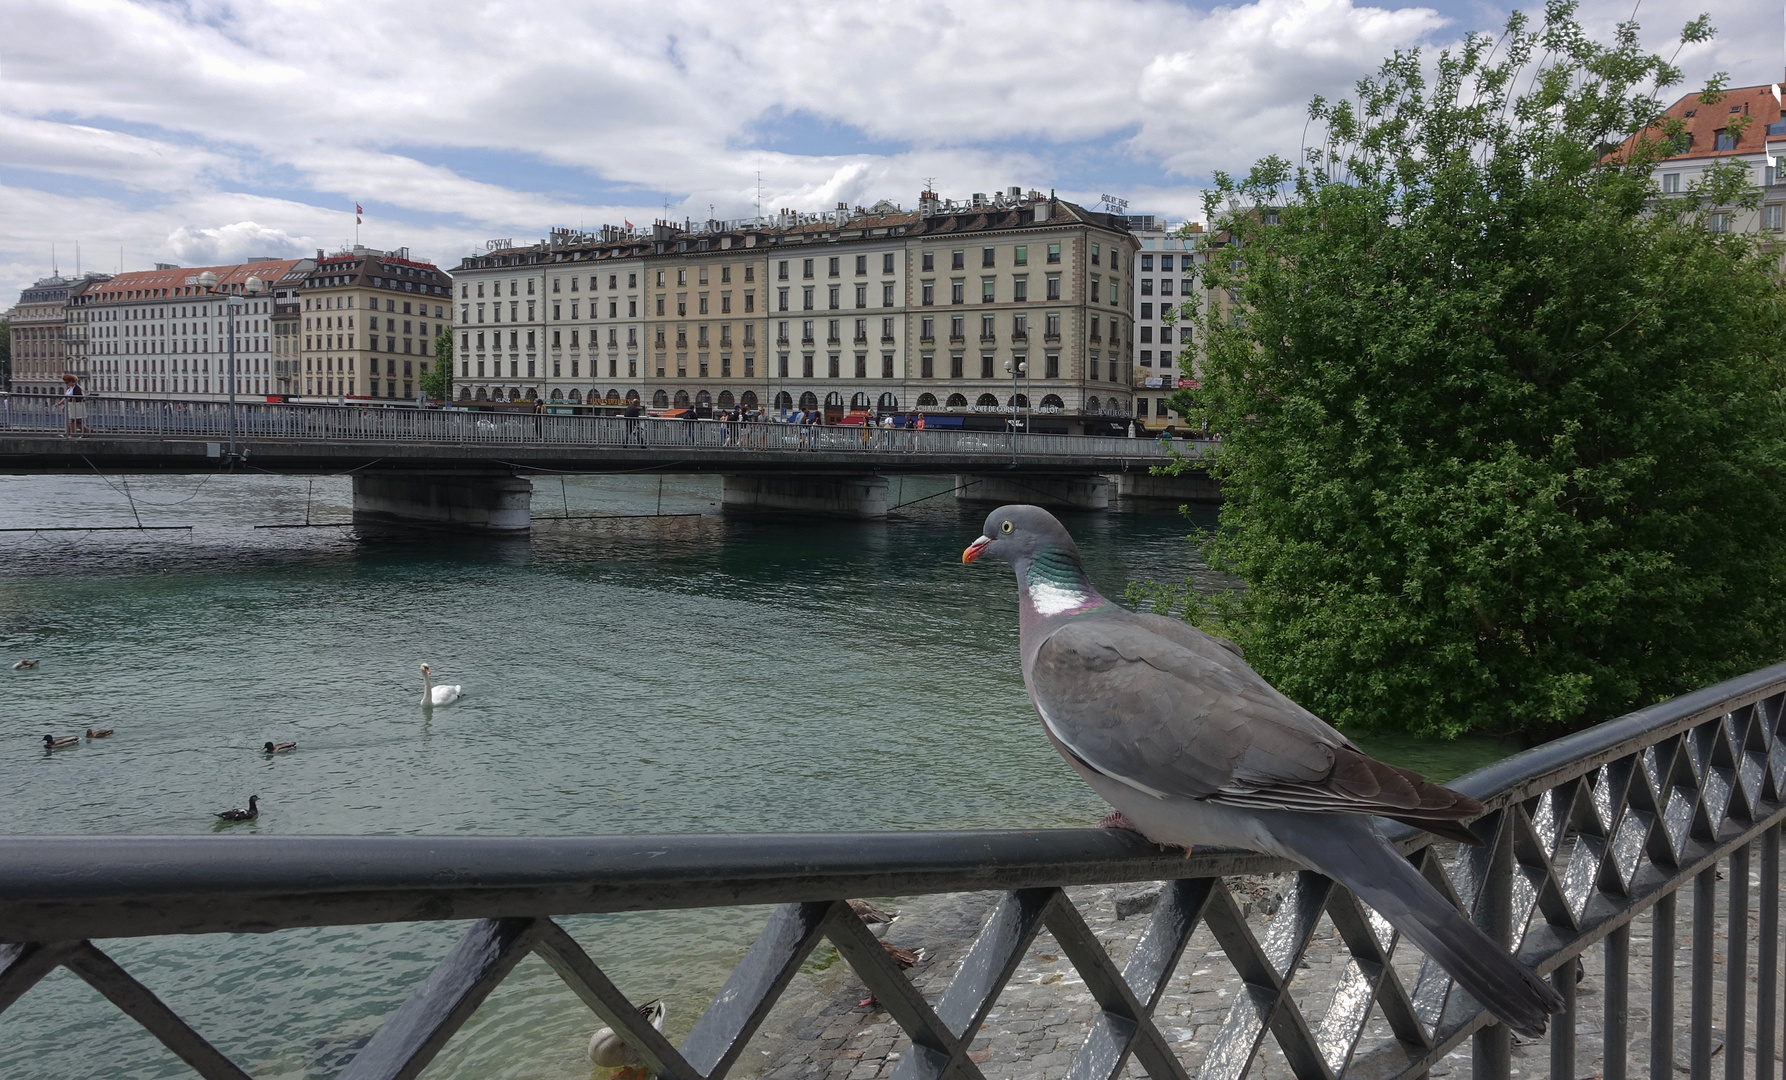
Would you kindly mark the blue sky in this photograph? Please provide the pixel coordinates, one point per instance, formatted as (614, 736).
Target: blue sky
(209, 130)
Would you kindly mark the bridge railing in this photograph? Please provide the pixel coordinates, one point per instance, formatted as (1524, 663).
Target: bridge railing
(352, 423)
(1582, 836)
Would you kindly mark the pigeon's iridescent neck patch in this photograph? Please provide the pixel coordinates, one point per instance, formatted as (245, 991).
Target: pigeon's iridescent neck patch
(1057, 585)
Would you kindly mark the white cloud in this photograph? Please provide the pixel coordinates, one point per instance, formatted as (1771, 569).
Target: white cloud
(219, 125)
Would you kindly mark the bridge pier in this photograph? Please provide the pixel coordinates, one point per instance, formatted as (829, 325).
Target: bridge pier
(496, 504)
(1070, 492)
(862, 497)
(1189, 486)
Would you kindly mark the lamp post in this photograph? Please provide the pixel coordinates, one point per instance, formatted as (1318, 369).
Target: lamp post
(253, 287)
(1016, 371)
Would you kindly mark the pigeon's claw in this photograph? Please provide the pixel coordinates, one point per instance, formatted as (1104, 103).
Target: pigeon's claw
(1115, 820)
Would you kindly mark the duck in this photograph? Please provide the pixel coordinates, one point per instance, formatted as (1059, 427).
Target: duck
(436, 695)
(877, 921)
(63, 742)
(610, 1051)
(279, 748)
(24, 665)
(249, 814)
(102, 733)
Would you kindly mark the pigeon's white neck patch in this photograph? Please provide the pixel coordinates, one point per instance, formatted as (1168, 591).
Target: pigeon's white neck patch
(1054, 598)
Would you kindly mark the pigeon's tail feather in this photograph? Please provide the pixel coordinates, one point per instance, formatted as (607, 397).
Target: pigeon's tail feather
(1361, 860)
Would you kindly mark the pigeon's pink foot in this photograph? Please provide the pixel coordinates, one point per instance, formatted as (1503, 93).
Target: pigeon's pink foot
(1115, 820)
(867, 1002)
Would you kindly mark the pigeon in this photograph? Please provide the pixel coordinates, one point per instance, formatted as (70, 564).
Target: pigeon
(610, 1051)
(1172, 728)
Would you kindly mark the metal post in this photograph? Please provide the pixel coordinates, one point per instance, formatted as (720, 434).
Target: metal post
(1562, 1032)
(1617, 1024)
(1736, 964)
(1705, 901)
(1767, 955)
(1491, 1049)
(1662, 987)
(231, 301)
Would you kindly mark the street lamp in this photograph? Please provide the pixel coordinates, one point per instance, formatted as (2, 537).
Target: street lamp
(253, 287)
(1016, 371)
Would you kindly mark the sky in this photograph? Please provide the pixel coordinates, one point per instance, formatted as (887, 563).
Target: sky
(208, 131)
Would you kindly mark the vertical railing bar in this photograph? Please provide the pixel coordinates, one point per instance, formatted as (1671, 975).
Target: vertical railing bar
(1562, 1025)
(1662, 950)
(1616, 1026)
(1491, 1056)
(1767, 955)
(1699, 989)
(1736, 964)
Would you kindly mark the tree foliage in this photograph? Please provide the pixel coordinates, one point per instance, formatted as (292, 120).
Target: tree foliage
(437, 381)
(1502, 423)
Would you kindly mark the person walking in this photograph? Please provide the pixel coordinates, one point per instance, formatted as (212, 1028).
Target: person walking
(633, 430)
(74, 403)
(688, 426)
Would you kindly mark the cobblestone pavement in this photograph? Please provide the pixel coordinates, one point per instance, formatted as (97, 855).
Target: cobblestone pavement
(819, 1032)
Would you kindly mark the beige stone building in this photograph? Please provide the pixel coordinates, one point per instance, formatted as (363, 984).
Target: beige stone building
(41, 331)
(368, 322)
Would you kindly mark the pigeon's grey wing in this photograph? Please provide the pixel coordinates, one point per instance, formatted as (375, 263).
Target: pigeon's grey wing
(1181, 715)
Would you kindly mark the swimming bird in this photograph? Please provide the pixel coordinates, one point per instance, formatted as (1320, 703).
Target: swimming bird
(1174, 729)
(877, 921)
(24, 665)
(249, 814)
(279, 748)
(102, 733)
(437, 695)
(610, 1051)
(53, 742)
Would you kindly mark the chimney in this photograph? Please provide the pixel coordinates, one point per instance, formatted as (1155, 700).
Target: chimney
(928, 203)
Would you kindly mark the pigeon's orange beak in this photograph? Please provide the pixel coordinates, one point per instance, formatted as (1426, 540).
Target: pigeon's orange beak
(974, 549)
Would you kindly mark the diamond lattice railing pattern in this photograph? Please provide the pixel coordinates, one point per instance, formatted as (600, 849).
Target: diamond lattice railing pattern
(1582, 836)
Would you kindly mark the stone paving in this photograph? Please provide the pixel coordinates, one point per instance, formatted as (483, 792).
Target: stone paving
(820, 1032)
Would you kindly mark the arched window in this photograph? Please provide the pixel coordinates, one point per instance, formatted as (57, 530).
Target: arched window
(957, 401)
(810, 400)
(749, 400)
(784, 401)
(1053, 401)
(660, 400)
(926, 401)
(1021, 401)
(704, 399)
(1092, 404)
(558, 395)
(515, 393)
(483, 394)
(725, 399)
(682, 399)
(859, 401)
(576, 397)
(986, 400)
(631, 395)
(614, 395)
(465, 393)
(888, 401)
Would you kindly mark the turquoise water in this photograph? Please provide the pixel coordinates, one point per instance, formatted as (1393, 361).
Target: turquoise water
(622, 674)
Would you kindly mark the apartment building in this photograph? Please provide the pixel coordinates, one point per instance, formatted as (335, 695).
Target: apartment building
(40, 334)
(1167, 303)
(158, 332)
(560, 320)
(845, 310)
(369, 319)
(1748, 127)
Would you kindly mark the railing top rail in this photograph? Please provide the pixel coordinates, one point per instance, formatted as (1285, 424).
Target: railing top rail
(147, 885)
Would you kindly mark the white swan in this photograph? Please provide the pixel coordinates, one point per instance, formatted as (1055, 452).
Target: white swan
(437, 695)
(610, 1051)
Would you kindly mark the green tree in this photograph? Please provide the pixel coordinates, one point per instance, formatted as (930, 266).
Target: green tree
(1503, 442)
(437, 381)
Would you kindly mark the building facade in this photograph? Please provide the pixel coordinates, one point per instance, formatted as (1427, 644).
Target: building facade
(40, 333)
(368, 323)
(160, 333)
(1746, 127)
(1168, 300)
(847, 310)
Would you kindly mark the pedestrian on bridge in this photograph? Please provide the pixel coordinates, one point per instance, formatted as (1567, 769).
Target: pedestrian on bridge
(74, 403)
(688, 426)
(633, 431)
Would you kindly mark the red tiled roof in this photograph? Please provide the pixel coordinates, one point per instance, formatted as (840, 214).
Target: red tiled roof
(161, 284)
(1704, 123)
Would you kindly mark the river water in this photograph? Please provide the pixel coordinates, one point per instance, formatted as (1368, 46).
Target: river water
(642, 665)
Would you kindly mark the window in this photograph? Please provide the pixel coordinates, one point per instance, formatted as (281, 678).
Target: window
(782, 271)
(861, 296)
(929, 262)
(725, 303)
(1052, 325)
(886, 365)
(1146, 265)
(1094, 255)
(1166, 263)
(929, 294)
(861, 329)
(986, 367)
(957, 260)
(1671, 183)
(861, 365)
(1054, 286)
(1147, 336)
(1146, 285)
(955, 373)
(988, 256)
(956, 324)
(806, 268)
(987, 330)
(784, 300)
(1053, 253)
(927, 366)
(927, 328)
(1020, 255)
(1725, 140)
(887, 262)
(725, 275)
(886, 329)
(1020, 327)
(836, 295)
(806, 293)
(1771, 215)
(833, 366)
(887, 294)
(958, 292)
(988, 289)
(861, 264)
(1720, 223)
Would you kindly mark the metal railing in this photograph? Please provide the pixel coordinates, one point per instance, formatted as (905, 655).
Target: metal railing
(353, 423)
(1581, 836)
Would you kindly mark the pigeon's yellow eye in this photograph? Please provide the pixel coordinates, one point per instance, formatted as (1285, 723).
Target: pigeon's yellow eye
(1006, 527)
